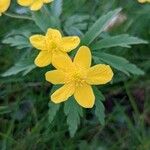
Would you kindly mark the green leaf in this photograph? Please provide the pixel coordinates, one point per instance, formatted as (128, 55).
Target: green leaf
(99, 26)
(73, 112)
(56, 7)
(23, 65)
(123, 40)
(100, 111)
(75, 24)
(53, 109)
(118, 63)
(98, 94)
(17, 41)
(44, 20)
(99, 107)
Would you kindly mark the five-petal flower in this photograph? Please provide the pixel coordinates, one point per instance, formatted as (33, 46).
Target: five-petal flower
(33, 4)
(51, 45)
(4, 5)
(77, 77)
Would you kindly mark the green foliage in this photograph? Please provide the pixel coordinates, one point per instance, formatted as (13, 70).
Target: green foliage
(99, 107)
(53, 108)
(73, 112)
(99, 26)
(24, 65)
(44, 126)
(118, 63)
(123, 40)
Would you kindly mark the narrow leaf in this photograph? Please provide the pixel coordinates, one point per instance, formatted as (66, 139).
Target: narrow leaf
(73, 112)
(99, 26)
(118, 63)
(123, 40)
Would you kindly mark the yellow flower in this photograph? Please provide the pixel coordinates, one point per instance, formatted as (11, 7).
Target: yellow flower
(51, 45)
(143, 1)
(4, 5)
(77, 77)
(33, 4)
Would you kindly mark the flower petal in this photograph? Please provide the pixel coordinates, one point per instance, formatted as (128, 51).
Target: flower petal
(84, 96)
(63, 93)
(55, 77)
(83, 57)
(70, 43)
(99, 74)
(37, 5)
(62, 62)
(43, 59)
(53, 34)
(25, 2)
(4, 5)
(47, 1)
(38, 41)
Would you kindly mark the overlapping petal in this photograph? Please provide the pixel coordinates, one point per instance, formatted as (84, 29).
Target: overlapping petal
(99, 74)
(63, 93)
(56, 77)
(83, 57)
(36, 5)
(62, 62)
(43, 59)
(70, 43)
(84, 96)
(38, 41)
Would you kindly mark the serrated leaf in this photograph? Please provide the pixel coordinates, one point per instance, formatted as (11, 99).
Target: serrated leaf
(118, 63)
(75, 24)
(99, 26)
(17, 41)
(56, 7)
(53, 109)
(73, 112)
(23, 65)
(44, 20)
(123, 40)
(100, 111)
(98, 94)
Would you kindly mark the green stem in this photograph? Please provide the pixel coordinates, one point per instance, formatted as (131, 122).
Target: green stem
(18, 16)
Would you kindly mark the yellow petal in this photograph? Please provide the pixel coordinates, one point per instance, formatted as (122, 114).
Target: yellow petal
(25, 2)
(62, 62)
(83, 57)
(37, 5)
(55, 77)
(63, 93)
(4, 5)
(43, 59)
(47, 1)
(84, 96)
(38, 41)
(141, 1)
(53, 34)
(99, 74)
(70, 43)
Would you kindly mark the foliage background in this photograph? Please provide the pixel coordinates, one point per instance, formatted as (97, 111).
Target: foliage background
(26, 116)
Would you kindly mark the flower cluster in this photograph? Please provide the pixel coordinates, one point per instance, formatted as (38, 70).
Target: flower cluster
(76, 75)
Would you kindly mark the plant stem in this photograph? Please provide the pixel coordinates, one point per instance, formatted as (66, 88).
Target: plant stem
(18, 16)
